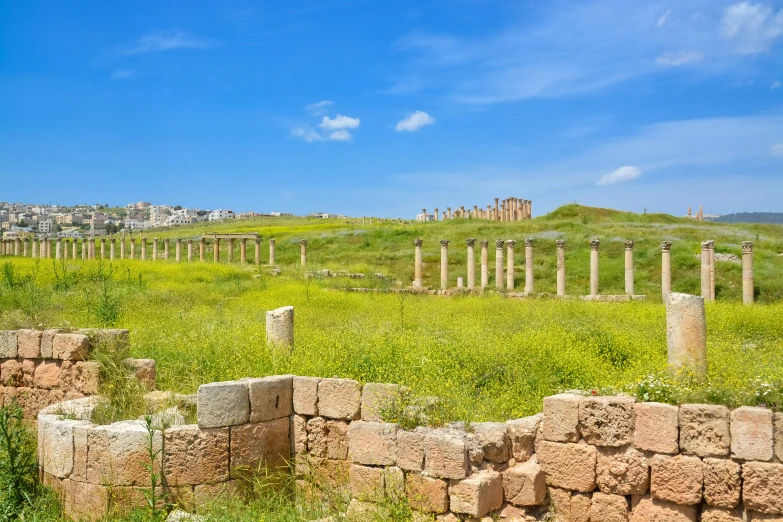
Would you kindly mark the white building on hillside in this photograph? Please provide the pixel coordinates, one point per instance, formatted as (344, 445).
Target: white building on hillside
(219, 214)
(71, 232)
(425, 217)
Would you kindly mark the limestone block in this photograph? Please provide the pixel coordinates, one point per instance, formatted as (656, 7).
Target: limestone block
(337, 439)
(762, 485)
(85, 501)
(117, 454)
(560, 503)
(373, 443)
(751, 434)
(653, 510)
(410, 449)
(376, 397)
(110, 337)
(298, 432)
(87, 377)
(260, 444)
(722, 483)
(271, 397)
(195, 455)
(608, 508)
(716, 514)
(31, 400)
(306, 395)
(754, 516)
(622, 471)
(70, 347)
(677, 479)
(317, 439)
(494, 440)
(280, 327)
(704, 430)
(47, 375)
(446, 455)
(47, 339)
(339, 398)
(657, 427)
(607, 421)
(394, 483)
(367, 483)
(579, 508)
(779, 436)
(524, 484)
(568, 466)
(477, 495)
(8, 344)
(29, 343)
(145, 371)
(28, 372)
(426, 494)
(223, 404)
(522, 433)
(11, 373)
(81, 446)
(561, 417)
(56, 454)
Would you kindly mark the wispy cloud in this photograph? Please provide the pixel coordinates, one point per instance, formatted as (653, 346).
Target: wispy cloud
(333, 129)
(752, 28)
(165, 41)
(662, 19)
(776, 150)
(676, 59)
(339, 122)
(318, 108)
(414, 121)
(122, 74)
(775, 85)
(620, 175)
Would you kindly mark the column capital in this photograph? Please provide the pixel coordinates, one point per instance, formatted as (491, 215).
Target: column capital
(190, 241)
(258, 240)
(529, 241)
(747, 247)
(27, 240)
(179, 239)
(629, 244)
(203, 240)
(470, 241)
(499, 243)
(708, 245)
(484, 243)
(444, 242)
(418, 242)
(511, 242)
(594, 244)
(114, 240)
(560, 243)
(143, 238)
(103, 240)
(303, 242)
(133, 240)
(666, 245)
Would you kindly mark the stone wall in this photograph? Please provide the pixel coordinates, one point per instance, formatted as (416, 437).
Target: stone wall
(586, 458)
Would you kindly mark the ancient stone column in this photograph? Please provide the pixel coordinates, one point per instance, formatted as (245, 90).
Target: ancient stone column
(417, 281)
(18, 247)
(243, 251)
(24, 246)
(34, 248)
(666, 267)
(706, 279)
(58, 249)
(258, 251)
(471, 263)
(444, 264)
(561, 276)
(111, 248)
(436, 214)
(424, 213)
(143, 248)
(231, 250)
(303, 251)
(489, 212)
(712, 273)
(216, 250)
(594, 266)
(510, 264)
(190, 250)
(529, 265)
(66, 248)
(686, 332)
(629, 267)
(272, 252)
(178, 250)
(499, 263)
(166, 249)
(92, 248)
(460, 283)
(448, 212)
(122, 247)
(484, 263)
(202, 250)
(133, 248)
(103, 248)
(496, 216)
(747, 272)
(154, 248)
(280, 328)
(503, 210)
(73, 248)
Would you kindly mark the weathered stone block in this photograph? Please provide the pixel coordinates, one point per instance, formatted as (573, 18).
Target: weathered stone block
(608, 508)
(117, 454)
(28, 372)
(373, 443)
(85, 501)
(317, 439)
(145, 371)
(367, 483)
(426, 494)
(568, 466)
(622, 471)
(561, 417)
(410, 449)
(47, 375)
(306, 395)
(56, 451)
(522, 433)
(195, 455)
(28, 343)
(394, 483)
(339, 398)
(261, 444)
(607, 421)
(494, 440)
(716, 514)
(477, 495)
(762, 487)
(677, 479)
(657, 427)
(778, 418)
(47, 338)
(446, 455)
(652, 510)
(375, 398)
(280, 327)
(11, 373)
(86, 377)
(525, 484)
(31, 400)
(70, 347)
(704, 430)
(8, 344)
(223, 404)
(580, 507)
(81, 446)
(722, 483)
(298, 432)
(337, 439)
(751, 434)
(271, 397)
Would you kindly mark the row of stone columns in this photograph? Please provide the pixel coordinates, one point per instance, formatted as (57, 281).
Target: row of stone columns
(510, 209)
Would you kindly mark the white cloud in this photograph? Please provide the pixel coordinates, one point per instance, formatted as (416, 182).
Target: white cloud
(678, 58)
(753, 28)
(165, 41)
(618, 176)
(318, 108)
(415, 121)
(662, 20)
(122, 74)
(340, 135)
(776, 150)
(307, 134)
(775, 85)
(339, 122)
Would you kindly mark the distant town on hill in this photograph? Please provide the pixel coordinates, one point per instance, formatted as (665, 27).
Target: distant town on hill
(751, 217)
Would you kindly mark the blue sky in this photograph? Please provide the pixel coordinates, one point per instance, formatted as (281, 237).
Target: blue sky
(383, 108)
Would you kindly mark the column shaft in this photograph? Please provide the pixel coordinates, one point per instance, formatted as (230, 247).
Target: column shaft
(629, 267)
(594, 267)
(444, 264)
(258, 251)
(417, 281)
(499, 264)
(111, 249)
(243, 251)
(561, 276)
(216, 250)
(666, 267)
(303, 251)
(190, 250)
(272, 252)
(747, 272)
(705, 270)
(484, 263)
(178, 250)
(529, 265)
(510, 264)
(471, 263)
(231, 250)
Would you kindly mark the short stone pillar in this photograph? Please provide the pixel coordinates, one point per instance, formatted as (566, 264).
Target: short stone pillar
(561, 275)
(243, 251)
(178, 250)
(484, 263)
(706, 269)
(34, 248)
(111, 248)
(417, 281)
(103, 248)
(166, 242)
(258, 251)
(594, 244)
(280, 327)
(154, 248)
(133, 248)
(190, 250)
(499, 263)
(529, 265)
(747, 272)
(686, 332)
(444, 264)
(666, 267)
(510, 264)
(58, 249)
(436, 214)
(122, 247)
(216, 250)
(143, 248)
(471, 262)
(460, 282)
(202, 250)
(231, 250)
(303, 252)
(629, 267)
(272, 252)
